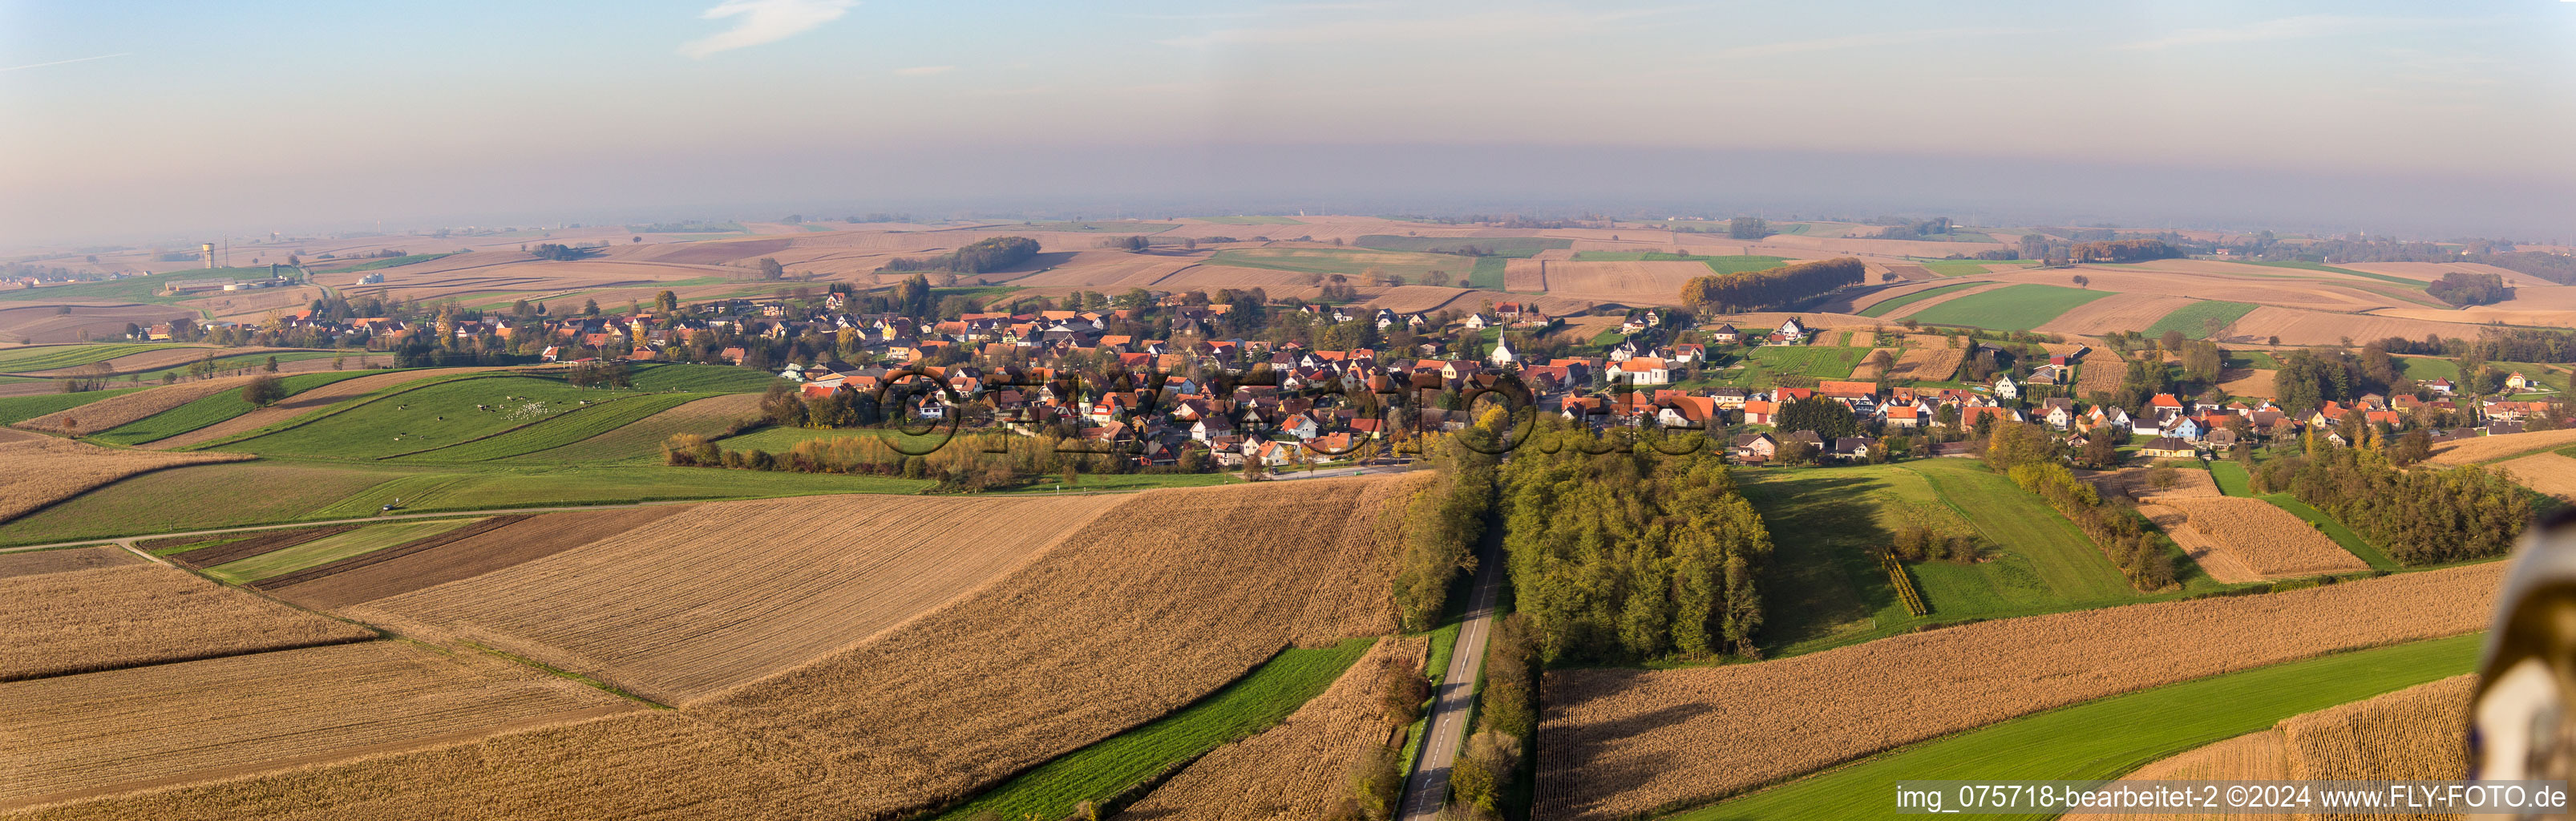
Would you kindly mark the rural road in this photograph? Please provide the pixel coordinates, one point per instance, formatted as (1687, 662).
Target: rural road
(1428, 790)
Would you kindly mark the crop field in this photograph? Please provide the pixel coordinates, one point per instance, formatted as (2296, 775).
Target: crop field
(1494, 246)
(2116, 312)
(212, 409)
(641, 441)
(105, 618)
(1250, 220)
(2209, 554)
(328, 549)
(1969, 267)
(2265, 538)
(1247, 707)
(303, 402)
(40, 562)
(386, 262)
(2305, 327)
(151, 365)
(128, 406)
(2196, 320)
(1616, 742)
(2139, 484)
(2549, 473)
(173, 499)
(2416, 733)
(2484, 449)
(177, 723)
(559, 430)
(495, 544)
(1882, 307)
(52, 357)
(2103, 370)
(420, 419)
(1627, 283)
(1124, 620)
(40, 471)
(702, 378)
(16, 409)
(1929, 362)
(1494, 273)
(217, 550)
(1820, 361)
(1285, 773)
(1412, 266)
(2104, 739)
(660, 615)
(129, 289)
(2010, 308)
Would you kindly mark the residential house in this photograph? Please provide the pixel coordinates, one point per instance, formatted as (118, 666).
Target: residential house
(2167, 447)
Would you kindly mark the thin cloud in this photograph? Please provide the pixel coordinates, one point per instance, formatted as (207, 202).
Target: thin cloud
(2289, 28)
(924, 71)
(1893, 38)
(1375, 30)
(73, 60)
(764, 21)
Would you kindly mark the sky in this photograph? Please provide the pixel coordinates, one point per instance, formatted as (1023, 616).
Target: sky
(170, 119)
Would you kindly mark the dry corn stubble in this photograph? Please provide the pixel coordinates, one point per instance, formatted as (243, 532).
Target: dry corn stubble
(1287, 772)
(41, 470)
(130, 614)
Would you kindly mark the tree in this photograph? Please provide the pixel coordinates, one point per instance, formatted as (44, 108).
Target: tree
(272, 365)
(1377, 779)
(1405, 692)
(2082, 281)
(770, 269)
(263, 390)
(590, 307)
(1747, 228)
(666, 302)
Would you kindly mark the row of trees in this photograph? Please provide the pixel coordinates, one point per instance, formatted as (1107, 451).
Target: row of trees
(1444, 520)
(1755, 290)
(1506, 719)
(1619, 555)
(2419, 516)
(987, 254)
(2125, 250)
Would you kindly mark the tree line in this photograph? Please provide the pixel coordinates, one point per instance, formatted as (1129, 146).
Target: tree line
(2465, 289)
(1755, 290)
(2125, 250)
(2418, 516)
(2029, 455)
(987, 254)
(1443, 520)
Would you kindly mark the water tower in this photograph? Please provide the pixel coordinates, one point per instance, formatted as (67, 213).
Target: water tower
(206, 253)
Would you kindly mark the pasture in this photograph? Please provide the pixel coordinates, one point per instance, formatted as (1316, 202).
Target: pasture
(38, 471)
(2200, 320)
(213, 409)
(1882, 307)
(560, 430)
(1969, 267)
(2011, 308)
(52, 357)
(16, 409)
(424, 418)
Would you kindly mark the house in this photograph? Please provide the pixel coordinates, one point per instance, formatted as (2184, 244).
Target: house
(1685, 411)
(1726, 335)
(1852, 448)
(2167, 447)
(2517, 383)
(2061, 412)
(2005, 387)
(2441, 386)
(1756, 447)
(1645, 370)
(1791, 329)
(1478, 322)
(1905, 416)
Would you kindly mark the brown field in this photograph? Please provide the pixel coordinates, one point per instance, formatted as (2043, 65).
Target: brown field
(465, 558)
(659, 614)
(2297, 327)
(1287, 772)
(2547, 473)
(169, 724)
(1866, 372)
(262, 542)
(299, 404)
(2259, 756)
(2416, 733)
(2429, 271)
(1581, 329)
(2243, 382)
(2486, 448)
(2217, 559)
(1626, 283)
(47, 323)
(1928, 358)
(2484, 315)
(1766, 320)
(2267, 539)
(43, 470)
(126, 615)
(1620, 742)
(1860, 302)
(2103, 370)
(40, 562)
(2117, 312)
(1112, 271)
(1121, 621)
(1530, 274)
(420, 545)
(2132, 483)
(127, 407)
(1276, 283)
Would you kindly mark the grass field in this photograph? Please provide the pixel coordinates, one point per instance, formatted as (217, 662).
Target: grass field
(1250, 220)
(1764, 364)
(2193, 319)
(415, 420)
(16, 409)
(212, 409)
(1254, 703)
(1496, 246)
(49, 357)
(2010, 308)
(2423, 368)
(388, 262)
(1487, 274)
(1728, 264)
(1882, 308)
(702, 378)
(2260, 360)
(1413, 266)
(225, 364)
(328, 549)
(1964, 267)
(1828, 590)
(558, 430)
(2109, 737)
(130, 289)
(2415, 284)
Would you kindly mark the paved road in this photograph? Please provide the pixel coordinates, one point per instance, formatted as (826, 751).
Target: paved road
(1428, 790)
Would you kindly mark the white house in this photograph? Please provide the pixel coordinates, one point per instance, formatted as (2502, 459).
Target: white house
(1645, 370)
(2006, 388)
(1503, 354)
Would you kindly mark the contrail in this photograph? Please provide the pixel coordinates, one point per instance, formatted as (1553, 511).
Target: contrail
(73, 60)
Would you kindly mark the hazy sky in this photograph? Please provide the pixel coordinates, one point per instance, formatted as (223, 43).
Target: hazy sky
(162, 118)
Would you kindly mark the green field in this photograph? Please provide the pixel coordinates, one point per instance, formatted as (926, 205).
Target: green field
(182, 498)
(1966, 267)
(328, 549)
(389, 262)
(2253, 359)
(1488, 274)
(1250, 705)
(1496, 246)
(50, 357)
(1728, 264)
(637, 443)
(1413, 266)
(2009, 308)
(2415, 284)
(1819, 361)
(129, 289)
(2547, 376)
(2422, 368)
(1891, 304)
(701, 378)
(2109, 737)
(1250, 220)
(16, 409)
(2193, 319)
(559, 430)
(213, 409)
(2231, 478)
(414, 420)
(256, 361)
(1101, 227)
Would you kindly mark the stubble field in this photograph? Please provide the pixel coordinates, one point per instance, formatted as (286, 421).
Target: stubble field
(2478, 449)
(41, 470)
(1287, 772)
(78, 621)
(2268, 540)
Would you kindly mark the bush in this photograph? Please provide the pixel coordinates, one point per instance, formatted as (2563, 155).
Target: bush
(263, 390)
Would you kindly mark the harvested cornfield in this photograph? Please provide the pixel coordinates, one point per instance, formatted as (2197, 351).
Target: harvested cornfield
(2250, 757)
(1122, 621)
(2478, 449)
(120, 616)
(41, 562)
(2214, 557)
(2548, 473)
(2420, 732)
(641, 441)
(1287, 772)
(2271, 541)
(467, 556)
(2251, 383)
(2140, 483)
(1526, 274)
(39, 471)
(1617, 743)
(2103, 371)
(2298, 327)
(300, 404)
(1932, 360)
(2117, 312)
(169, 724)
(661, 614)
(1627, 283)
(127, 407)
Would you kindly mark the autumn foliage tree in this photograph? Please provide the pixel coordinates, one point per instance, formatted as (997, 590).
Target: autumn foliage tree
(1755, 290)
